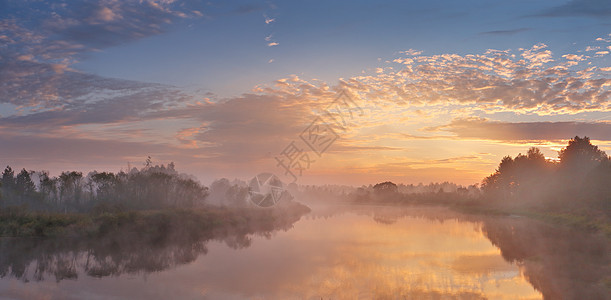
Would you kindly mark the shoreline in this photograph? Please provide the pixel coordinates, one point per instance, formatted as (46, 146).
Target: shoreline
(18, 222)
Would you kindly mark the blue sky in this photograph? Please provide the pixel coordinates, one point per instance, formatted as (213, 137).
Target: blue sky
(221, 87)
(226, 52)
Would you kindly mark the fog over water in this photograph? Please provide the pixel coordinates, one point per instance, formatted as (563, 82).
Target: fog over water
(261, 149)
(334, 252)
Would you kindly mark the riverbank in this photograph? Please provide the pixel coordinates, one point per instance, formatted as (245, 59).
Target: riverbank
(588, 220)
(150, 224)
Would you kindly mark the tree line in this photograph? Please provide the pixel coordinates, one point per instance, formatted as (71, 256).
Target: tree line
(151, 187)
(581, 175)
(580, 178)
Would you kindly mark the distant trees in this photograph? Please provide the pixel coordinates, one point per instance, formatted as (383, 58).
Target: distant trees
(385, 188)
(226, 193)
(154, 186)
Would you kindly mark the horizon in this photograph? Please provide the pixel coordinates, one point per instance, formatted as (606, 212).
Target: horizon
(143, 166)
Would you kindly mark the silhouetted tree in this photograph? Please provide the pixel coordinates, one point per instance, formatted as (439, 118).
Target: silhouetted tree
(502, 181)
(152, 187)
(105, 184)
(8, 184)
(581, 156)
(518, 177)
(535, 155)
(582, 176)
(48, 188)
(385, 187)
(386, 191)
(24, 186)
(148, 163)
(70, 188)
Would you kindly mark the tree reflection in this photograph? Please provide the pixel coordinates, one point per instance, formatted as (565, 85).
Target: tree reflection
(561, 262)
(129, 251)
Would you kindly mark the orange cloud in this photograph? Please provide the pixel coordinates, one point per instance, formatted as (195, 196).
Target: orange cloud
(482, 128)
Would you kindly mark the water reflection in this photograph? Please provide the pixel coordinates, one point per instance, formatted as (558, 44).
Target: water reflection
(562, 263)
(414, 257)
(333, 253)
(31, 259)
(127, 252)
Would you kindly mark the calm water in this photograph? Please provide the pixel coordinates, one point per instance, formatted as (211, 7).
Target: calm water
(338, 253)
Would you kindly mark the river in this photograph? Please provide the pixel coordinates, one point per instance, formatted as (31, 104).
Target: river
(335, 252)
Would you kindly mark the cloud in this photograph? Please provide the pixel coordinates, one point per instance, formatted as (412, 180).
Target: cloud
(537, 56)
(29, 83)
(428, 137)
(523, 81)
(574, 57)
(592, 48)
(41, 43)
(249, 129)
(270, 42)
(71, 150)
(236, 132)
(505, 32)
(481, 128)
(269, 20)
(100, 102)
(586, 8)
(100, 24)
(107, 15)
(411, 52)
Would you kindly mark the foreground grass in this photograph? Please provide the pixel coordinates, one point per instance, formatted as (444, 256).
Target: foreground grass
(18, 222)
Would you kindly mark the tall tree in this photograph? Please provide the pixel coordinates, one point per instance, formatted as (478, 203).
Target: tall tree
(519, 176)
(24, 186)
(8, 185)
(535, 155)
(48, 187)
(8, 178)
(70, 187)
(105, 185)
(580, 155)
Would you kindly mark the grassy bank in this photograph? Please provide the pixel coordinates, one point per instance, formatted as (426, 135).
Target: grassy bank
(18, 222)
(579, 219)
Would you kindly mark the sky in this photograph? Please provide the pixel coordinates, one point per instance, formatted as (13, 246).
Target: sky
(346, 92)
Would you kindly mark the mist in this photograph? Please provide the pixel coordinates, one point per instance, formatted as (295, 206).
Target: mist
(98, 225)
(260, 149)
